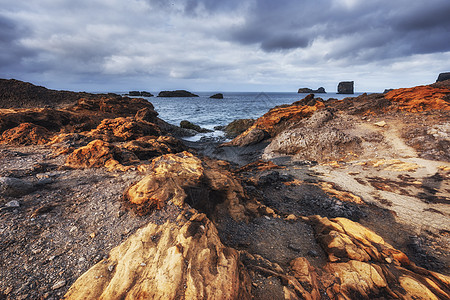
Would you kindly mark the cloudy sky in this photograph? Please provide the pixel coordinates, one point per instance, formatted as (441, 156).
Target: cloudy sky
(219, 45)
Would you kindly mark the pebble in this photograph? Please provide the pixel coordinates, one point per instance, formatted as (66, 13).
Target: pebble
(312, 253)
(111, 268)
(13, 204)
(59, 285)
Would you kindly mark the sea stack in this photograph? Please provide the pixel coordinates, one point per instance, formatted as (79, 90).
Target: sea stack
(320, 90)
(217, 96)
(345, 87)
(443, 76)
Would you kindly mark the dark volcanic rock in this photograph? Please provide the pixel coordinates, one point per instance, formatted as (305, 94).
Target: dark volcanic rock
(345, 87)
(237, 127)
(134, 93)
(320, 90)
(15, 93)
(443, 76)
(188, 125)
(140, 94)
(217, 96)
(177, 93)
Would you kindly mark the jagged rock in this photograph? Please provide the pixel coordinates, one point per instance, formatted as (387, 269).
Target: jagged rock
(237, 127)
(345, 87)
(146, 114)
(14, 187)
(99, 154)
(114, 105)
(177, 93)
(217, 96)
(188, 125)
(124, 129)
(443, 76)
(25, 134)
(146, 148)
(183, 259)
(363, 266)
(276, 120)
(420, 98)
(182, 178)
(320, 90)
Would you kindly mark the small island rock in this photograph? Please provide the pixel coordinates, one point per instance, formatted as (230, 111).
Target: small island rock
(217, 96)
(345, 87)
(320, 90)
(443, 76)
(188, 125)
(177, 93)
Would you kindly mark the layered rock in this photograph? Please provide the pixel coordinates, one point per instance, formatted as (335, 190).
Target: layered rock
(178, 260)
(124, 129)
(99, 153)
(345, 87)
(25, 134)
(177, 93)
(183, 178)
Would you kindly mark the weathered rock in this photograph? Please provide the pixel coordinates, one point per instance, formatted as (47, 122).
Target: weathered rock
(99, 154)
(420, 98)
(188, 125)
(177, 260)
(345, 87)
(14, 187)
(25, 134)
(142, 94)
(276, 120)
(182, 178)
(443, 76)
(124, 129)
(217, 96)
(146, 148)
(146, 114)
(320, 90)
(177, 93)
(237, 127)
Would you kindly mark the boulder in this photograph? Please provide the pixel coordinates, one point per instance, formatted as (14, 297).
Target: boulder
(217, 96)
(345, 87)
(237, 127)
(183, 178)
(124, 129)
(177, 93)
(14, 187)
(148, 147)
(26, 134)
(146, 114)
(182, 259)
(188, 125)
(443, 76)
(98, 154)
(320, 90)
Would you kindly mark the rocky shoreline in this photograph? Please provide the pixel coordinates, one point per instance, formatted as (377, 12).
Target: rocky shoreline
(99, 199)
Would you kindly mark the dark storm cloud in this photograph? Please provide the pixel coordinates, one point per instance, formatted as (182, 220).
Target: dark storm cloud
(11, 52)
(399, 27)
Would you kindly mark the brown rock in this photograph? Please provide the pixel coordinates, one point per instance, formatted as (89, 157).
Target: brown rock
(420, 98)
(237, 127)
(183, 178)
(183, 260)
(99, 154)
(25, 134)
(146, 114)
(124, 129)
(147, 147)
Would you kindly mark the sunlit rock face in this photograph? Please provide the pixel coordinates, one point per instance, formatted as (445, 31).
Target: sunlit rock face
(178, 260)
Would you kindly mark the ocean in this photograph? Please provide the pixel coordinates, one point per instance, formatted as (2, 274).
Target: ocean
(209, 113)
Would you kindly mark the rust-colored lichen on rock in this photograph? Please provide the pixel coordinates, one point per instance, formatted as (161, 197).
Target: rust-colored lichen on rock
(98, 154)
(421, 98)
(25, 134)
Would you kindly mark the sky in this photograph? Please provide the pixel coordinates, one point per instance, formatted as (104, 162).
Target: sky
(219, 45)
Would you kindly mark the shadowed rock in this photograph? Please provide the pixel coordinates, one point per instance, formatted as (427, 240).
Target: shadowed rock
(177, 93)
(217, 96)
(345, 87)
(443, 76)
